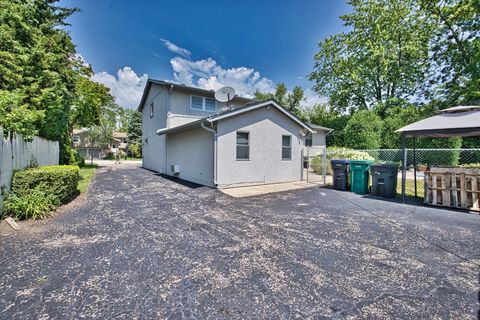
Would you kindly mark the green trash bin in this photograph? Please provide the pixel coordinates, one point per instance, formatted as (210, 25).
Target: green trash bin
(359, 176)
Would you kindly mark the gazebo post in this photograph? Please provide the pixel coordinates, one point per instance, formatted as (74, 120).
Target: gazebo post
(415, 163)
(404, 168)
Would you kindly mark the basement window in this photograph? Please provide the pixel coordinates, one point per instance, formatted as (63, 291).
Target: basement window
(286, 147)
(243, 146)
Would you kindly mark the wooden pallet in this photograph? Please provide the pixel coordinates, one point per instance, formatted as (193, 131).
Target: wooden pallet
(453, 187)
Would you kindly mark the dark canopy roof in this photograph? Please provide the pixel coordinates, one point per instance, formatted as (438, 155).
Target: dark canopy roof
(461, 121)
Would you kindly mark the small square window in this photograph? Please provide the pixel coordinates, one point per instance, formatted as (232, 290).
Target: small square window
(286, 147)
(210, 104)
(243, 146)
(196, 103)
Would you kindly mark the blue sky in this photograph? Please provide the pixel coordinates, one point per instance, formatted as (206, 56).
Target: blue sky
(247, 44)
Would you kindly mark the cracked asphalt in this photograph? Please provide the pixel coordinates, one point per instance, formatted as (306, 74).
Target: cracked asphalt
(144, 247)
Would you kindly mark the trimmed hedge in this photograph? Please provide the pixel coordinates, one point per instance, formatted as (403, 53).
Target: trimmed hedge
(58, 182)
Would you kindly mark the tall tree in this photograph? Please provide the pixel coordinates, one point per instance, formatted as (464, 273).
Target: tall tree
(384, 55)
(44, 85)
(455, 49)
(135, 133)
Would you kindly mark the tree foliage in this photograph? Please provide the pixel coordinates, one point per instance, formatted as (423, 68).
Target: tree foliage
(363, 131)
(384, 55)
(455, 49)
(290, 100)
(44, 85)
(400, 61)
(134, 131)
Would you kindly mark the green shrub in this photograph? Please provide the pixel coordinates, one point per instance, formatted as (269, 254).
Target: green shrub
(79, 160)
(110, 156)
(33, 205)
(338, 153)
(60, 182)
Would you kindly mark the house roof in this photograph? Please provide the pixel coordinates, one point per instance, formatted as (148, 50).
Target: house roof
(120, 135)
(461, 121)
(235, 112)
(81, 130)
(209, 93)
(320, 128)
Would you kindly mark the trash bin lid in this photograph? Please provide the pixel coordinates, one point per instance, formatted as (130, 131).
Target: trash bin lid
(340, 161)
(386, 165)
(361, 161)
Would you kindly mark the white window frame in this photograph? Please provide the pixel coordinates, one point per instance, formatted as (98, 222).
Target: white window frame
(203, 103)
(289, 147)
(242, 145)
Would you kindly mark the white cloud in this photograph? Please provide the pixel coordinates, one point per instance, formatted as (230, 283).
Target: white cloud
(175, 49)
(208, 74)
(127, 88)
(312, 98)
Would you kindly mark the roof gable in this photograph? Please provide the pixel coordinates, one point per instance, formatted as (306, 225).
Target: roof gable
(250, 107)
(204, 92)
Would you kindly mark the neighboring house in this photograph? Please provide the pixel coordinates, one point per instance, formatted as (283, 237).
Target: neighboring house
(118, 143)
(186, 133)
(83, 143)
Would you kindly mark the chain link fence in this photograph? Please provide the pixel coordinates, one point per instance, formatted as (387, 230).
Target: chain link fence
(418, 161)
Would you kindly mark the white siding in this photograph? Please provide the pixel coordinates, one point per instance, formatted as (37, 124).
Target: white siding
(266, 128)
(318, 139)
(193, 152)
(153, 145)
(175, 120)
(16, 153)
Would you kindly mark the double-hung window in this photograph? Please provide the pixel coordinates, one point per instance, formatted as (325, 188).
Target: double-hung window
(196, 103)
(286, 147)
(243, 146)
(202, 103)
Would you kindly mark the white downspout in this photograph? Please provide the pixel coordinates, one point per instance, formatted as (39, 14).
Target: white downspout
(214, 151)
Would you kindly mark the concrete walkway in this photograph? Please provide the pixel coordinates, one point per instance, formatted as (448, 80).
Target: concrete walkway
(249, 191)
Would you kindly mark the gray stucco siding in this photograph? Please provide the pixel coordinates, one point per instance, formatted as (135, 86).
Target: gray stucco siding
(181, 103)
(265, 164)
(154, 145)
(193, 152)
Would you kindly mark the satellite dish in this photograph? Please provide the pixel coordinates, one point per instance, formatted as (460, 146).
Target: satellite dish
(225, 94)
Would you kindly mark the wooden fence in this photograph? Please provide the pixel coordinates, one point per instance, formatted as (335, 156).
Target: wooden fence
(16, 153)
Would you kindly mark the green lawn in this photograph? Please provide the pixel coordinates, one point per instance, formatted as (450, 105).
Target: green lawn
(86, 174)
(410, 188)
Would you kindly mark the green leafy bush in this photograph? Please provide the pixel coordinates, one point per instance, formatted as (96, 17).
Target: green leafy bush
(34, 205)
(60, 182)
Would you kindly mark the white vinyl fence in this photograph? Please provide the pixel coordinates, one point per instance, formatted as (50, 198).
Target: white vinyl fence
(16, 153)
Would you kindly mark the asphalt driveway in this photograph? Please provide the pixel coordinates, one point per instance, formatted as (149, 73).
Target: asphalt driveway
(143, 247)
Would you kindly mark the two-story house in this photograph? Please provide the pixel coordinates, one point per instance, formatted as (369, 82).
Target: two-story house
(88, 148)
(190, 135)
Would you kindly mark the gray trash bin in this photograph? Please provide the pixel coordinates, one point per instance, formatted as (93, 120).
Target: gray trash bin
(340, 170)
(384, 179)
